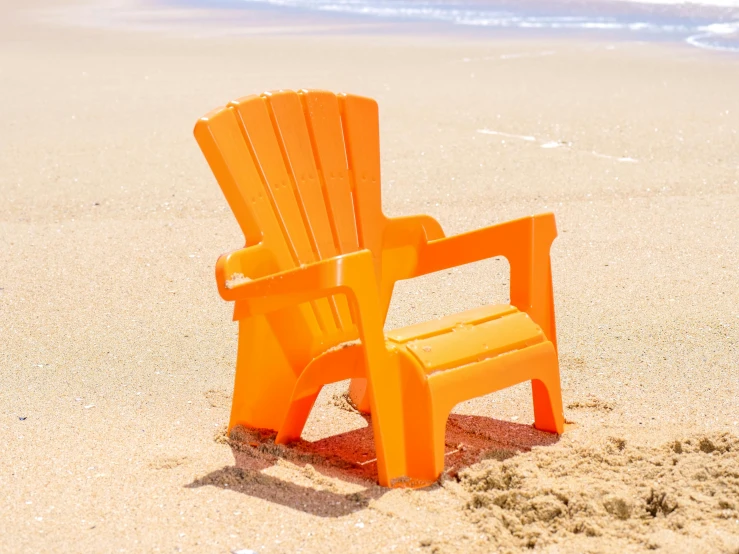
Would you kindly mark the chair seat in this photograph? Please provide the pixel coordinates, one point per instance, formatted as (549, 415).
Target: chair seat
(466, 337)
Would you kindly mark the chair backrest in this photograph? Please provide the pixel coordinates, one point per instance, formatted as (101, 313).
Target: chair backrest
(301, 173)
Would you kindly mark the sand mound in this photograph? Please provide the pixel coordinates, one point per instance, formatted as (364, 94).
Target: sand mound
(604, 495)
(681, 496)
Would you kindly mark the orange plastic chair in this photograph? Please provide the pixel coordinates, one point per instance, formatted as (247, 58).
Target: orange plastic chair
(301, 173)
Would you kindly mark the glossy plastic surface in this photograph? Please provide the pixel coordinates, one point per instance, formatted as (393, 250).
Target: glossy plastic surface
(301, 173)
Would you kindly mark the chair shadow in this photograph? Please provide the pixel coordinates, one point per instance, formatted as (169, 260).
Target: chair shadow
(323, 465)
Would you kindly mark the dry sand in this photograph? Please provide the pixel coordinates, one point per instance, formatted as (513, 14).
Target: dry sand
(117, 355)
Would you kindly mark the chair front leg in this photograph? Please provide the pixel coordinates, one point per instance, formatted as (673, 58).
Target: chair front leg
(264, 377)
(359, 394)
(531, 272)
(386, 401)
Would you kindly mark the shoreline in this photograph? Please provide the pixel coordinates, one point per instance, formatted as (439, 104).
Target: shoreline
(707, 27)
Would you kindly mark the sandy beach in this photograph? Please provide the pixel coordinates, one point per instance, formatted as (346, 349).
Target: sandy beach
(117, 354)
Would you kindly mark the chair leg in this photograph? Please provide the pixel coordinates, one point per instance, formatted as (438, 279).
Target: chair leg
(264, 378)
(419, 424)
(426, 444)
(547, 393)
(295, 419)
(441, 416)
(531, 272)
(385, 394)
(359, 393)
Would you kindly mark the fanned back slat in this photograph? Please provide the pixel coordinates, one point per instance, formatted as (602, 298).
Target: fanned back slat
(292, 131)
(324, 123)
(259, 132)
(361, 125)
(220, 137)
(242, 185)
(260, 135)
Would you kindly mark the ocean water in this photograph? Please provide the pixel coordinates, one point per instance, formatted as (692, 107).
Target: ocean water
(709, 24)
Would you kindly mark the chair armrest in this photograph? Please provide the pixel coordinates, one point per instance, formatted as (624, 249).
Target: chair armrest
(252, 262)
(408, 230)
(401, 240)
(504, 239)
(340, 274)
(525, 243)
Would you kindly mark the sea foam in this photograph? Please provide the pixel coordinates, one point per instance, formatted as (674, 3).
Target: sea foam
(720, 35)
